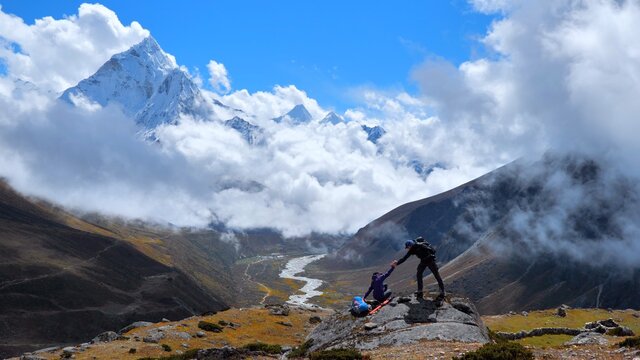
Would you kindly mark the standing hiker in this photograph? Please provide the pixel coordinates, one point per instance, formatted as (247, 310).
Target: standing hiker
(427, 255)
(378, 286)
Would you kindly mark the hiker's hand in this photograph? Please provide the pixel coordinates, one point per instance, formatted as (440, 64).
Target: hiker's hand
(394, 263)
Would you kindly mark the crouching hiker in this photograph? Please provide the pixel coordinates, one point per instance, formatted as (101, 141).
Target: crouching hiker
(379, 288)
(427, 255)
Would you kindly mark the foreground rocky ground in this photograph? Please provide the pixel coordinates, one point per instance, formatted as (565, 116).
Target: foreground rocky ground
(405, 320)
(233, 328)
(408, 328)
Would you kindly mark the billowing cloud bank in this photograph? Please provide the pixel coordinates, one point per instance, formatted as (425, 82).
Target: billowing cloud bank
(562, 75)
(562, 78)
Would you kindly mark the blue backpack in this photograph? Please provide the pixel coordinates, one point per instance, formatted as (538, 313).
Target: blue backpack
(359, 306)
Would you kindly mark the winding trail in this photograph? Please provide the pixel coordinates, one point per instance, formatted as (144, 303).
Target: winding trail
(265, 288)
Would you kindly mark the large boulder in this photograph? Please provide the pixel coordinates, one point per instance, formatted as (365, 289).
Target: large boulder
(588, 338)
(401, 323)
(135, 325)
(107, 336)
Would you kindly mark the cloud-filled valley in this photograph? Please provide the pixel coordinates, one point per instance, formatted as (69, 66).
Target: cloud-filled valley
(547, 85)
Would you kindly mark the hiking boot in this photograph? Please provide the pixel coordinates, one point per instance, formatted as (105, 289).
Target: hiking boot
(442, 295)
(419, 294)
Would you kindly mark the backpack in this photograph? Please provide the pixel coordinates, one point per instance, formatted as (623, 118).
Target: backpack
(425, 250)
(359, 306)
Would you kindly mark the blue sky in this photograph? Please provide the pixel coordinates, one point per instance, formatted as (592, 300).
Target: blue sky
(324, 48)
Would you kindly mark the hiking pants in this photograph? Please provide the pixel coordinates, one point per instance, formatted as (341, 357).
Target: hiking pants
(387, 294)
(431, 264)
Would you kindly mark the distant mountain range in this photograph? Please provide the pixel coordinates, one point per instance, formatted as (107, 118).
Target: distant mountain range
(150, 87)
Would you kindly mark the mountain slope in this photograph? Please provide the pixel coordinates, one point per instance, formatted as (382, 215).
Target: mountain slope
(526, 236)
(58, 284)
(146, 82)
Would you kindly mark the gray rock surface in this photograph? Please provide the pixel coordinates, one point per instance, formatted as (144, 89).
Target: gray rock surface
(31, 357)
(153, 336)
(278, 309)
(107, 336)
(407, 322)
(588, 338)
(135, 325)
(562, 312)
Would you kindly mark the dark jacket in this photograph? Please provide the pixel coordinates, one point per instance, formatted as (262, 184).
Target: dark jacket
(423, 250)
(377, 286)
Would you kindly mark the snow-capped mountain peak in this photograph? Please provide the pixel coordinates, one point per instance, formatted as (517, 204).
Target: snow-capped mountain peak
(146, 82)
(332, 118)
(298, 115)
(374, 133)
(251, 133)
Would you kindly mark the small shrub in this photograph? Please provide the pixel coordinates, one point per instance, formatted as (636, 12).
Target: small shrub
(207, 326)
(338, 354)
(268, 348)
(300, 351)
(132, 351)
(222, 323)
(501, 351)
(166, 347)
(633, 342)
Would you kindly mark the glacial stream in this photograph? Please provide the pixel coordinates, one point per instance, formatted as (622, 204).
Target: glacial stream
(296, 266)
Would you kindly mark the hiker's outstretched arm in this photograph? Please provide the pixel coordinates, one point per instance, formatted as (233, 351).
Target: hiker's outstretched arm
(368, 292)
(384, 276)
(404, 258)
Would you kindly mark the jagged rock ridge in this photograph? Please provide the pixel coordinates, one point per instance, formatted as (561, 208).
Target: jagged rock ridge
(251, 133)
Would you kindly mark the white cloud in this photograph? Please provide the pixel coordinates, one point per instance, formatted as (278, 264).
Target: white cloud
(562, 75)
(562, 78)
(57, 53)
(268, 105)
(218, 77)
(492, 6)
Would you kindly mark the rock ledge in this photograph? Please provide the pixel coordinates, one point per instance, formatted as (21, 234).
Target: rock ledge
(401, 323)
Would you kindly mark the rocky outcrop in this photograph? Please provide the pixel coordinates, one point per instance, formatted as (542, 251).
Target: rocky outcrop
(588, 338)
(278, 309)
(107, 336)
(134, 325)
(404, 322)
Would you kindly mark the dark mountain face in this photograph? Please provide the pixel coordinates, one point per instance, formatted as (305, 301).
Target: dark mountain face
(529, 235)
(60, 285)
